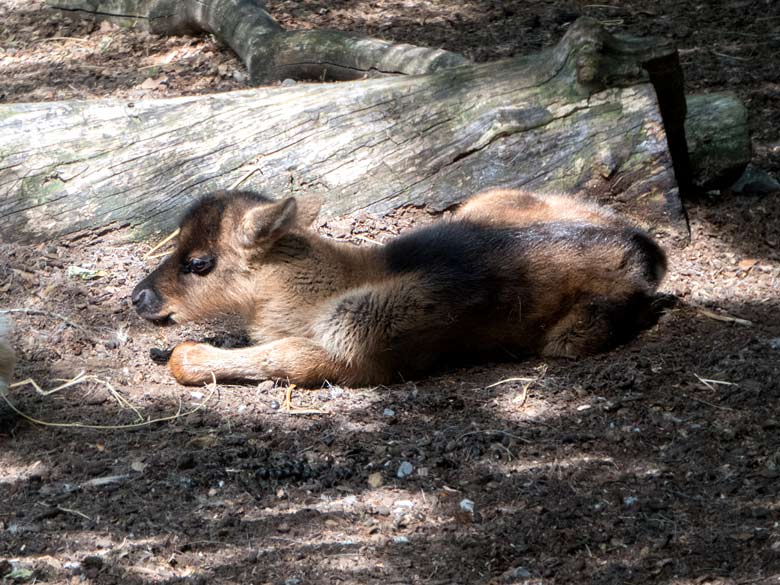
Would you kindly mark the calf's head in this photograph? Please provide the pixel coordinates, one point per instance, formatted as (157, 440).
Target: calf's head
(220, 248)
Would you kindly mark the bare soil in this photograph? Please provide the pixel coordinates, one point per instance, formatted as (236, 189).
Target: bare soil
(655, 463)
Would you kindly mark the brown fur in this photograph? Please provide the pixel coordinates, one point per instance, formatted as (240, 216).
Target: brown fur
(510, 274)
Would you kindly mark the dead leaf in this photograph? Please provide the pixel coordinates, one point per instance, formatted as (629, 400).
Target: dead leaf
(747, 263)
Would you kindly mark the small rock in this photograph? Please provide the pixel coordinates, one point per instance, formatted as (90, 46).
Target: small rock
(375, 480)
(755, 182)
(293, 581)
(73, 567)
(274, 404)
(92, 566)
(774, 343)
(630, 501)
(388, 412)
(266, 386)
(401, 540)
(288, 82)
(404, 470)
(467, 505)
(518, 573)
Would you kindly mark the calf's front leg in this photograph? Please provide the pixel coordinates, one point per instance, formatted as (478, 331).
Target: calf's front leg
(299, 360)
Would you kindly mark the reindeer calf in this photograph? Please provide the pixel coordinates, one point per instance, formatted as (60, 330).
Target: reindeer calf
(509, 274)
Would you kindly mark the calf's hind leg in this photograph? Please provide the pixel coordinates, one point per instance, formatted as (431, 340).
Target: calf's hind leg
(297, 359)
(599, 324)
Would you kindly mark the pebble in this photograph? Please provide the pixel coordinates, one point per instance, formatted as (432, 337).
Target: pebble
(467, 505)
(774, 343)
(401, 540)
(755, 182)
(288, 82)
(388, 412)
(293, 581)
(266, 386)
(630, 501)
(404, 470)
(520, 573)
(375, 480)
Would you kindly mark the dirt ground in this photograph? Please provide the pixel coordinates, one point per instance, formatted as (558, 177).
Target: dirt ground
(655, 463)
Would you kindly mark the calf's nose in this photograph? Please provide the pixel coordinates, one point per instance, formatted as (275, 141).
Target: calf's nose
(146, 300)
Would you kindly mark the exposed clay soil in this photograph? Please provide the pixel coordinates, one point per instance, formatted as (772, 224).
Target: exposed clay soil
(655, 463)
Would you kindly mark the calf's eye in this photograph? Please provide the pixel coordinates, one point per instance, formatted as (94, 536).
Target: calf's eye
(199, 266)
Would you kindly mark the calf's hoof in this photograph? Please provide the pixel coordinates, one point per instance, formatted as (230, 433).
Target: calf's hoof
(189, 363)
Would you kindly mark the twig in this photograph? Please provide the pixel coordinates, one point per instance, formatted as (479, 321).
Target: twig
(497, 431)
(49, 39)
(708, 383)
(114, 427)
(511, 380)
(712, 405)
(80, 378)
(369, 240)
(723, 317)
(288, 408)
(528, 383)
(606, 6)
(245, 176)
(76, 512)
(164, 241)
(725, 56)
(43, 313)
(107, 480)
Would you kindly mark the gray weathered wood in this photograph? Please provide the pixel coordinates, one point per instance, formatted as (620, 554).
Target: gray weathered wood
(579, 117)
(718, 139)
(269, 52)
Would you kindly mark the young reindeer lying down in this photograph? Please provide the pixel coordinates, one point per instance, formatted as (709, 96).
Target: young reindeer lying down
(510, 274)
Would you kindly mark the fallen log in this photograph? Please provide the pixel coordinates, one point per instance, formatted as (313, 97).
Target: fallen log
(269, 52)
(578, 117)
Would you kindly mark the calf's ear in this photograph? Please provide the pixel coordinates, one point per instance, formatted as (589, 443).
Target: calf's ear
(267, 222)
(308, 210)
